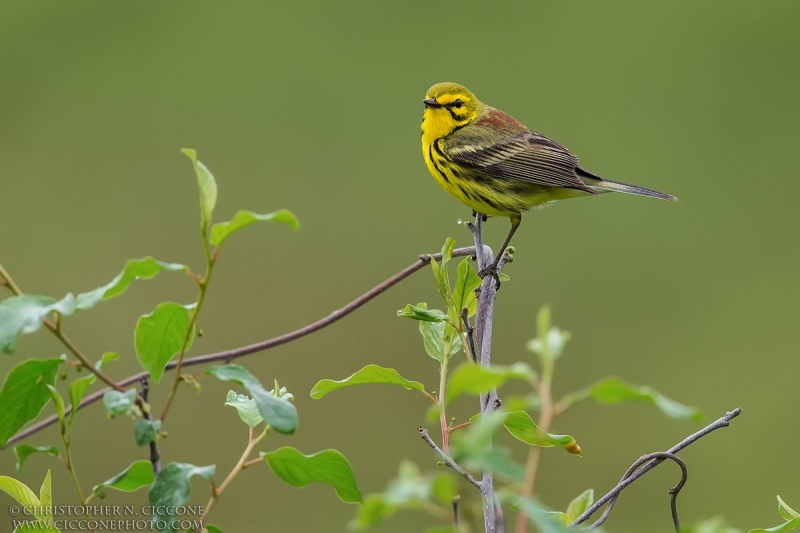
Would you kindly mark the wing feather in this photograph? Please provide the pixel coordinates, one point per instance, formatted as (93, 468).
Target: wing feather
(525, 155)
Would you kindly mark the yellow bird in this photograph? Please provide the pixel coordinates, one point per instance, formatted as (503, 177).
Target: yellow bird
(496, 165)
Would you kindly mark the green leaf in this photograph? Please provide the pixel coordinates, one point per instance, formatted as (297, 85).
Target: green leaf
(373, 511)
(207, 185)
(46, 496)
(160, 335)
(420, 312)
(25, 393)
(77, 389)
(442, 529)
(20, 315)
(712, 525)
(119, 403)
(612, 391)
(146, 431)
(213, 529)
(440, 271)
(222, 230)
(436, 336)
(21, 493)
(107, 357)
(139, 474)
(546, 521)
(579, 505)
(59, 405)
(246, 407)
(328, 466)
(521, 426)
(367, 375)
(786, 526)
(472, 448)
(145, 268)
(786, 512)
(276, 411)
(466, 283)
(470, 378)
(444, 488)
(172, 488)
(23, 451)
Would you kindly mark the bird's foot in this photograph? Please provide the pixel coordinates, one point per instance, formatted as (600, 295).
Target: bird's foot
(491, 270)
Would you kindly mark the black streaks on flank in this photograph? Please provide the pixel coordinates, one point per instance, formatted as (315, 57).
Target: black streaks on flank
(490, 203)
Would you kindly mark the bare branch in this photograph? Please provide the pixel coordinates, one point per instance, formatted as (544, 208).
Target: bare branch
(446, 459)
(155, 455)
(721, 422)
(229, 355)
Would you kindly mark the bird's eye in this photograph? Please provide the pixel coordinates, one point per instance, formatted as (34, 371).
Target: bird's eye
(458, 103)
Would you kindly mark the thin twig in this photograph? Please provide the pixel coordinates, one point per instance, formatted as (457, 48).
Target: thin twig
(446, 459)
(470, 331)
(456, 501)
(229, 355)
(155, 455)
(721, 422)
(674, 491)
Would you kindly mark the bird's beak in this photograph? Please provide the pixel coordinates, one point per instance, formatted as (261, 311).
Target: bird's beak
(431, 102)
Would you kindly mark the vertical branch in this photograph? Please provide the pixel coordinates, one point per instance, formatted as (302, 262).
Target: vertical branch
(155, 455)
(492, 513)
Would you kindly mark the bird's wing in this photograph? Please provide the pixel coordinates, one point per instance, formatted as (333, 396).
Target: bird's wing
(520, 155)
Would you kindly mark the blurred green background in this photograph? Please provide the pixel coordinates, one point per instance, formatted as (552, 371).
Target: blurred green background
(315, 106)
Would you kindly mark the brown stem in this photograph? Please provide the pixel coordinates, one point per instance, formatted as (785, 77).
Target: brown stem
(229, 355)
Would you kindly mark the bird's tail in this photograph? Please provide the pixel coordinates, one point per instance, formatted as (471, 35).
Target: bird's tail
(604, 185)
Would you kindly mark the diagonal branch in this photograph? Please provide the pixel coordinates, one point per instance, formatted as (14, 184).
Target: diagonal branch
(721, 422)
(446, 459)
(229, 355)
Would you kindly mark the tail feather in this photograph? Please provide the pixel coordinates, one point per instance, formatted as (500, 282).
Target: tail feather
(597, 182)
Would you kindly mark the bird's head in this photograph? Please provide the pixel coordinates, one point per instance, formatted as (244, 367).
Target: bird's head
(448, 106)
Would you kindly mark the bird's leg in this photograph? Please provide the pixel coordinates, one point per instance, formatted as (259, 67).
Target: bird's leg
(491, 270)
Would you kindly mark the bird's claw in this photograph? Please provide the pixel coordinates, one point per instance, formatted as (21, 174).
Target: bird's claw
(492, 271)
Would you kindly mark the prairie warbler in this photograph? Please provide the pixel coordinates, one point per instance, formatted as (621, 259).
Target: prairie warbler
(497, 166)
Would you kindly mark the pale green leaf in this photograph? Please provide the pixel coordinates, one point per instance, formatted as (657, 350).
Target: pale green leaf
(464, 290)
(145, 268)
(46, 497)
(59, 405)
(25, 393)
(470, 378)
(160, 336)
(77, 389)
(328, 466)
(21, 493)
(207, 185)
(172, 488)
(119, 403)
(416, 312)
(370, 374)
(277, 411)
(579, 505)
(612, 391)
(20, 315)
(786, 512)
(437, 336)
(222, 230)
(786, 526)
(246, 407)
(146, 431)
(521, 426)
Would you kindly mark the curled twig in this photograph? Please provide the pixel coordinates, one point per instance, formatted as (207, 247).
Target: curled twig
(673, 491)
(721, 422)
(446, 459)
